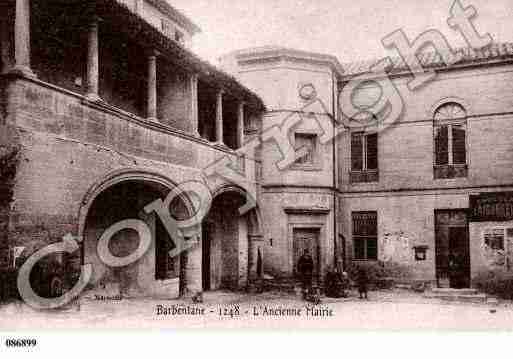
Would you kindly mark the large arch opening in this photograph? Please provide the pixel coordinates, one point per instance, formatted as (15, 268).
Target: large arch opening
(231, 251)
(155, 273)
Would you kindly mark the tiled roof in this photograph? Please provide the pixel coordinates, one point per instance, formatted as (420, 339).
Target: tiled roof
(496, 52)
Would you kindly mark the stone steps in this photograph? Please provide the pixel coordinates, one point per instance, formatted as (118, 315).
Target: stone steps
(462, 291)
(465, 295)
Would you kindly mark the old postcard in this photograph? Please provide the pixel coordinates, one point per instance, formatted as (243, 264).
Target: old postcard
(265, 164)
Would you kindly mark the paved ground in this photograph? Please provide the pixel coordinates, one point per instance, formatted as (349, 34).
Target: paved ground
(384, 310)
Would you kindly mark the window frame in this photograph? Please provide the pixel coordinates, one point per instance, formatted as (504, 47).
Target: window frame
(365, 237)
(315, 164)
(365, 174)
(450, 169)
(491, 235)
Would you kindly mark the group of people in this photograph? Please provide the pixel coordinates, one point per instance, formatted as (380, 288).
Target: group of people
(336, 283)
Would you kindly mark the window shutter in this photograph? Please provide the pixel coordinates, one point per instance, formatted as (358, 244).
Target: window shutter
(356, 152)
(372, 151)
(441, 145)
(458, 145)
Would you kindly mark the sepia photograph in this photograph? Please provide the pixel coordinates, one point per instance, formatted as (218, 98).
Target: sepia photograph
(255, 165)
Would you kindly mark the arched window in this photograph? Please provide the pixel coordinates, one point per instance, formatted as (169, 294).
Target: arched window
(450, 129)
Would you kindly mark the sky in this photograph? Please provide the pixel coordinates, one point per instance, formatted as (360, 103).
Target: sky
(349, 29)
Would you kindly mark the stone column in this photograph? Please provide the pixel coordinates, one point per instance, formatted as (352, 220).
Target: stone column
(193, 84)
(256, 245)
(193, 272)
(152, 86)
(5, 44)
(93, 62)
(22, 39)
(219, 118)
(240, 125)
(139, 6)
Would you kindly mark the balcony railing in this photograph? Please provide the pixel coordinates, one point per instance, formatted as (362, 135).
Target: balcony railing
(450, 171)
(364, 176)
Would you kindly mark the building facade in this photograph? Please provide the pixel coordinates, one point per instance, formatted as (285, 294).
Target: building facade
(424, 190)
(104, 111)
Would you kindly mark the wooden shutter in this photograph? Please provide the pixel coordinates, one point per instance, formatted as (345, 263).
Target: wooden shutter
(459, 154)
(441, 145)
(356, 152)
(372, 151)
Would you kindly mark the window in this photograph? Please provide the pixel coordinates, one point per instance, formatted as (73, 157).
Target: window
(169, 30)
(364, 157)
(494, 238)
(179, 36)
(365, 235)
(450, 126)
(308, 142)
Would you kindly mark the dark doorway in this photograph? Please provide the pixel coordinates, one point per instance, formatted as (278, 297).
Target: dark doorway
(452, 249)
(206, 245)
(306, 238)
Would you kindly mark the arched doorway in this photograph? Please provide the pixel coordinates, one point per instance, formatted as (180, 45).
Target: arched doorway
(155, 273)
(230, 243)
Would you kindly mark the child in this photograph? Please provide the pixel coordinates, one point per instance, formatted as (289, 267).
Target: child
(362, 281)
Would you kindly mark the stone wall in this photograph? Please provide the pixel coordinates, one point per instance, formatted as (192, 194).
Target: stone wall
(406, 148)
(285, 209)
(70, 146)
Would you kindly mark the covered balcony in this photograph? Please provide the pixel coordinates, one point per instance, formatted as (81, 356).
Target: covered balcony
(112, 59)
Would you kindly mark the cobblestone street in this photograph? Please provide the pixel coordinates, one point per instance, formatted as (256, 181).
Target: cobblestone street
(384, 310)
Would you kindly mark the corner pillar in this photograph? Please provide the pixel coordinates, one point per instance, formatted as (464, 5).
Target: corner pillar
(193, 84)
(152, 86)
(22, 39)
(219, 118)
(93, 62)
(240, 125)
(193, 271)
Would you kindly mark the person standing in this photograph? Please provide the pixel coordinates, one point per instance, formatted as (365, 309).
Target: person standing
(362, 280)
(305, 267)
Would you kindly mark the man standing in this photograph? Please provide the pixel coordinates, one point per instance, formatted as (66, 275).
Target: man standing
(305, 269)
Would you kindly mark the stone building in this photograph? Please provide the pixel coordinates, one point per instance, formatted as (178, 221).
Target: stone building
(104, 110)
(432, 186)
(298, 195)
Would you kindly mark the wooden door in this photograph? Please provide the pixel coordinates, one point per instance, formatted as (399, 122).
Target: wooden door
(306, 238)
(452, 249)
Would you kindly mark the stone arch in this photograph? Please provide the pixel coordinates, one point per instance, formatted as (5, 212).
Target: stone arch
(254, 215)
(155, 273)
(450, 99)
(230, 240)
(118, 176)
